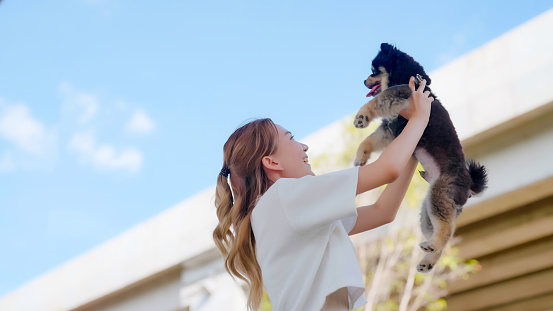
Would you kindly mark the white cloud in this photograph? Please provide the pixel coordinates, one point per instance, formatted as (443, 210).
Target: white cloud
(21, 129)
(84, 103)
(83, 106)
(140, 123)
(105, 156)
(30, 144)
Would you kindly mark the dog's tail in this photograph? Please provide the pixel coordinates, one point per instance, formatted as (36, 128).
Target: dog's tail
(478, 176)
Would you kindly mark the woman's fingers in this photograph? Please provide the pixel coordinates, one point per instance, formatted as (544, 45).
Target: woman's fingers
(422, 85)
(412, 84)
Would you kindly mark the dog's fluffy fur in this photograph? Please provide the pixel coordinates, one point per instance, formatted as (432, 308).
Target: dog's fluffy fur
(452, 179)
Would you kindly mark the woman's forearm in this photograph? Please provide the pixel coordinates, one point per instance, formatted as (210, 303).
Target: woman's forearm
(384, 210)
(390, 199)
(396, 155)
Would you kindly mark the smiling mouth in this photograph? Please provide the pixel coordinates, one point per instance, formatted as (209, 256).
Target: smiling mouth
(374, 90)
(306, 160)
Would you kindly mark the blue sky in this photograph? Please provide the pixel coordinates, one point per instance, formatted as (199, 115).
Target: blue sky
(112, 111)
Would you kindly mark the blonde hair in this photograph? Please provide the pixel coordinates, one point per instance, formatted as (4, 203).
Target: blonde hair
(243, 153)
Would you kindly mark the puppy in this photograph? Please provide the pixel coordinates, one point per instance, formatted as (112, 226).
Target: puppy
(452, 179)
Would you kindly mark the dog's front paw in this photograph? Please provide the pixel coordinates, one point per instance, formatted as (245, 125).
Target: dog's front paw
(427, 247)
(362, 157)
(361, 121)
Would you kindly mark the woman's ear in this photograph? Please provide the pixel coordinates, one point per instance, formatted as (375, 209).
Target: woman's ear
(270, 164)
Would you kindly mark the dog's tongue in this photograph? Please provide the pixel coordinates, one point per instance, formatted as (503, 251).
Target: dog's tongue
(374, 89)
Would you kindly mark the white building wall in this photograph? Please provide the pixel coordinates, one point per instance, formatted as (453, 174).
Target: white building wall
(521, 164)
(506, 77)
(160, 295)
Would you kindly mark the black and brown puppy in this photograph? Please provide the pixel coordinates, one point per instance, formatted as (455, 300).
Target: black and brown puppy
(452, 179)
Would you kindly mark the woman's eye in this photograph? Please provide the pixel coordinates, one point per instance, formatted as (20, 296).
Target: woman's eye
(292, 137)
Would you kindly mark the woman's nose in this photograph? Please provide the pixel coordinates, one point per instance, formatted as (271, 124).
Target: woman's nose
(305, 147)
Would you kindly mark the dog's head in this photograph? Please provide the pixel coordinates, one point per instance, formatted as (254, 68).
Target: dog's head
(392, 67)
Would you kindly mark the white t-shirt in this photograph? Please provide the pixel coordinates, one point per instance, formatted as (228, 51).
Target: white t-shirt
(301, 230)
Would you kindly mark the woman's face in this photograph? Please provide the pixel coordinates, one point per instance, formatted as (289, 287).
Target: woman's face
(291, 155)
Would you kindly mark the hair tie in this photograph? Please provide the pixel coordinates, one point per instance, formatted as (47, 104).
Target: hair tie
(225, 171)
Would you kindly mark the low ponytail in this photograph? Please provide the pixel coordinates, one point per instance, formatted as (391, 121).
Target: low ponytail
(223, 202)
(233, 235)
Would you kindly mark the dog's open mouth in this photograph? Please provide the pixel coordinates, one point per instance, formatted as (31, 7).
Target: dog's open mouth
(374, 90)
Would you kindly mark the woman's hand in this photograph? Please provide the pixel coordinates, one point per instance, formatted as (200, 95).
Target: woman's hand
(419, 102)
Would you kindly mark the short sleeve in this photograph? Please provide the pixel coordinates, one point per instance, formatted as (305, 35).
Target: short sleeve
(313, 202)
(349, 222)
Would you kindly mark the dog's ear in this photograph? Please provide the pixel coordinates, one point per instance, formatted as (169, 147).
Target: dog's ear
(386, 48)
(427, 78)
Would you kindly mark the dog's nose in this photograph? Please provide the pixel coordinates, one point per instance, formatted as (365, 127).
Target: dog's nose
(364, 82)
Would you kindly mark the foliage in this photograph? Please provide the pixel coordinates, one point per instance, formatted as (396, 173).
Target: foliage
(265, 303)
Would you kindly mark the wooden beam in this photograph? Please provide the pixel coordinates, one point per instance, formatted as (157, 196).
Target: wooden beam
(508, 264)
(483, 298)
(525, 224)
(506, 202)
(500, 136)
(538, 303)
(487, 244)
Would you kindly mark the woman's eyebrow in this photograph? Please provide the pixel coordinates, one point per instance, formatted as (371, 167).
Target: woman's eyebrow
(288, 132)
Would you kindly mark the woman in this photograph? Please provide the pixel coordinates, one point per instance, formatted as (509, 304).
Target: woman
(283, 222)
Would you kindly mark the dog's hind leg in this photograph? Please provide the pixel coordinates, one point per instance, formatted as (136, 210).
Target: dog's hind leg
(442, 212)
(429, 261)
(377, 141)
(426, 224)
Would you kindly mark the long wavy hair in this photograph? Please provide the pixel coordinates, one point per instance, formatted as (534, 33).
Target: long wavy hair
(234, 237)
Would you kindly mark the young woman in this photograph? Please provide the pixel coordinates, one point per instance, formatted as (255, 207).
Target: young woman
(282, 222)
